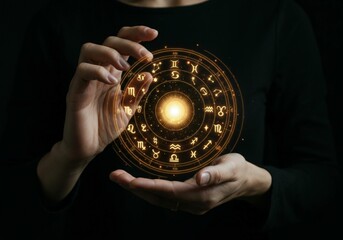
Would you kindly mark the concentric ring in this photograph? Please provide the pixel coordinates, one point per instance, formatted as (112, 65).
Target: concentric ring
(192, 113)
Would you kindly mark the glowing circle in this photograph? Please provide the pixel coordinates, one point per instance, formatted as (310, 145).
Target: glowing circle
(174, 111)
(192, 113)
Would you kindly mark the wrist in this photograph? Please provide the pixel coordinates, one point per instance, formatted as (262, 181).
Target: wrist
(258, 186)
(72, 162)
(58, 173)
(259, 180)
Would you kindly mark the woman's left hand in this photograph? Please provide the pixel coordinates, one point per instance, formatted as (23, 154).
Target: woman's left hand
(229, 177)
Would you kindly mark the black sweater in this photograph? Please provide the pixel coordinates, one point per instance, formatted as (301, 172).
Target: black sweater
(270, 48)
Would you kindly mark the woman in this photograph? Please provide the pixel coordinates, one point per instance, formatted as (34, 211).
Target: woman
(280, 175)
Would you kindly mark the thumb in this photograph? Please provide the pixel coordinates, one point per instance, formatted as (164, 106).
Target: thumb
(222, 170)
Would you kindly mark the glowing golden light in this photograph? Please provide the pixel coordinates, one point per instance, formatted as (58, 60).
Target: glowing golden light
(174, 111)
(192, 113)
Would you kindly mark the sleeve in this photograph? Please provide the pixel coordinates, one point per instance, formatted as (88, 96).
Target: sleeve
(301, 155)
(34, 122)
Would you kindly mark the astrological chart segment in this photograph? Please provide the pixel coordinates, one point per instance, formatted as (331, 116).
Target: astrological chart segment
(189, 116)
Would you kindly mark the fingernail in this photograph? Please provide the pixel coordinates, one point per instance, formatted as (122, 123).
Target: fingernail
(205, 178)
(124, 64)
(112, 79)
(150, 31)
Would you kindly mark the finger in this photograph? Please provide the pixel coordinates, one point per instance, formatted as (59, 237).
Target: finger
(223, 170)
(128, 48)
(82, 88)
(166, 189)
(122, 178)
(88, 72)
(127, 102)
(173, 195)
(138, 33)
(135, 91)
(172, 204)
(102, 55)
(125, 180)
(158, 192)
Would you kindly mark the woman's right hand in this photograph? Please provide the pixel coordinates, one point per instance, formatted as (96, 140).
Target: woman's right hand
(95, 113)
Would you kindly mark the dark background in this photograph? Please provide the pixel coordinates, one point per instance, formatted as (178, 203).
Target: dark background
(326, 17)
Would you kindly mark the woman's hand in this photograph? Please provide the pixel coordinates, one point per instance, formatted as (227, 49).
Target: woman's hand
(230, 177)
(95, 111)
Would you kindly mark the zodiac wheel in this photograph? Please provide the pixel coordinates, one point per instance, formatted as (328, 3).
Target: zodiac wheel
(192, 113)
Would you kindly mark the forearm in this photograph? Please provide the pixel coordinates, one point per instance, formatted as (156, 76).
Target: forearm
(57, 174)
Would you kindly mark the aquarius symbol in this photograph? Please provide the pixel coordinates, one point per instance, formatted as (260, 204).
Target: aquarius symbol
(175, 146)
(208, 109)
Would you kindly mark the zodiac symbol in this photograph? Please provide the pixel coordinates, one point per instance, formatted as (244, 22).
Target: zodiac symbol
(203, 91)
(193, 80)
(156, 67)
(131, 128)
(194, 68)
(193, 154)
(175, 146)
(220, 108)
(194, 140)
(173, 158)
(128, 110)
(143, 126)
(155, 154)
(209, 142)
(155, 140)
(139, 109)
(217, 92)
(210, 79)
(217, 128)
(141, 77)
(131, 91)
(140, 144)
(174, 63)
(175, 74)
(208, 109)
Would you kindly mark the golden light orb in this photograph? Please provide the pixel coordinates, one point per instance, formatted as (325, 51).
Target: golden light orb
(174, 111)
